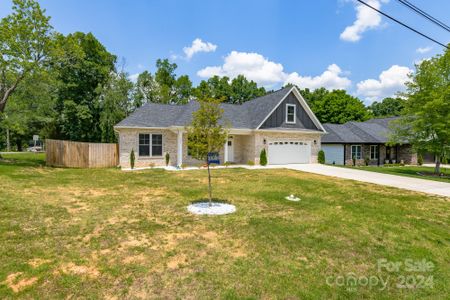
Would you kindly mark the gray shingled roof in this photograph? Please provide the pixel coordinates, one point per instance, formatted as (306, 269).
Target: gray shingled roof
(372, 131)
(248, 115)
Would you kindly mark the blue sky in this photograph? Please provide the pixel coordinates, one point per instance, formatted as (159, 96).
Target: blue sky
(331, 43)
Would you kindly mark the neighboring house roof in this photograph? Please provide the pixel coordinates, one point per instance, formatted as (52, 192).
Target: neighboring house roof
(249, 115)
(372, 131)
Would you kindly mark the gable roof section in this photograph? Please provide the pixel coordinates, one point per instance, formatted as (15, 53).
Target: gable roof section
(372, 131)
(249, 115)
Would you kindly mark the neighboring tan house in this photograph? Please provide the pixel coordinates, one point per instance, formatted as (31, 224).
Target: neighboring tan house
(364, 139)
(280, 122)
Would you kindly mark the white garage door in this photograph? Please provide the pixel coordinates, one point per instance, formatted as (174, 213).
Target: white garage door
(282, 152)
(334, 154)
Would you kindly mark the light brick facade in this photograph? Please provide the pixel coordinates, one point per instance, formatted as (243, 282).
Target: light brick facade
(247, 148)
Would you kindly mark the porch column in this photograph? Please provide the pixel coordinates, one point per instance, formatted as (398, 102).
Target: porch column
(225, 151)
(179, 148)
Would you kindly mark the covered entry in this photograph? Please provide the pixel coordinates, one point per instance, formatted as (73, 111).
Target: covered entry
(289, 152)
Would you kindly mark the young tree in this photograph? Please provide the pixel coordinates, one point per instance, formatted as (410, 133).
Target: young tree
(426, 117)
(206, 134)
(24, 45)
(388, 107)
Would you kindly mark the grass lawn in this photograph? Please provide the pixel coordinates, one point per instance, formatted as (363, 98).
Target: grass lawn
(104, 233)
(409, 171)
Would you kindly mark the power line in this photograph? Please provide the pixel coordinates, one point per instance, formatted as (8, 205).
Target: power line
(403, 24)
(424, 14)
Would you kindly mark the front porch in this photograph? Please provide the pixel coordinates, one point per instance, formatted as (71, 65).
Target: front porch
(238, 149)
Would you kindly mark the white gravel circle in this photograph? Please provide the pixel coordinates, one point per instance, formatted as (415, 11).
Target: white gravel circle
(216, 208)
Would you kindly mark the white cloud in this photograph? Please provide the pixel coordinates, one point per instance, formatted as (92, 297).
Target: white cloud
(388, 84)
(331, 79)
(133, 77)
(423, 50)
(366, 19)
(253, 66)
(267, 73)
(198, 46)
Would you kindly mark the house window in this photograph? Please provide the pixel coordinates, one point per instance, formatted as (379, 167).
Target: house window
(144, 144)
(150, 144)
(374, 151)
(356, 151)
(290, 113)
(157, 144)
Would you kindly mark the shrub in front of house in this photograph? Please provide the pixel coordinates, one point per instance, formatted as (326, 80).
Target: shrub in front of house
(354, 160)
(250, 163)
(132, 158)
(366, 161)
(419, 160)
(321, 157)
(167, 157)
(263, 158)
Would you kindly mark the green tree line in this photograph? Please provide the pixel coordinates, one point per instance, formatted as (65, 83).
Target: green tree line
(71, 87)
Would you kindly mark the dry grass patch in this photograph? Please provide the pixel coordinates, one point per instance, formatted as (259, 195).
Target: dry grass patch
(71, 268)
(16, 281)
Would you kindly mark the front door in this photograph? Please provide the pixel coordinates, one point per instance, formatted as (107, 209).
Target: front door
(230, 150)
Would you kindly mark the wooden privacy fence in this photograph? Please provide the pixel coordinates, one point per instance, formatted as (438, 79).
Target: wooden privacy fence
(81, 155)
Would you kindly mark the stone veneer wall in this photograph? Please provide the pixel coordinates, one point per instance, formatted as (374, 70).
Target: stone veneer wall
(259, 142)
(129, 139)
(405, 153)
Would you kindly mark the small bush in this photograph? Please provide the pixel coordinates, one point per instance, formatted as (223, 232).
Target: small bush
(263, 158)
(366, 161)
(250, 163)
(167, 157)
(227, 163)
(132, 158)
(354, 160)
(321, 157)
(419, 159)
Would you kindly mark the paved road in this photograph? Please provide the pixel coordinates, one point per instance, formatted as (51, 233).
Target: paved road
(402, 182)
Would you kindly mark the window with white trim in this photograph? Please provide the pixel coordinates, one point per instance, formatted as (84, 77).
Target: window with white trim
(150, 144)
(290, 113)
(356, 151)
(374, 151)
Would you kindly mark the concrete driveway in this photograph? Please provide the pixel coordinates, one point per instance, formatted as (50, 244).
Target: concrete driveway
(401, 182)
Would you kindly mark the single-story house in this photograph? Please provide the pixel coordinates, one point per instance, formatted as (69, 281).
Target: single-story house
(280, 122)
(364, 139)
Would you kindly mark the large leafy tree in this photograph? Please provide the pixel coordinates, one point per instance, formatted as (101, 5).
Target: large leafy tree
(30, 110)
(163, 87)
(388, 107)
(426, 117)
(115, 104)
(146, 89)
(82, 64)
(24, 45)
(243, 90)
(237, 91)
(335, 106)
(182, 90)
(206, 134)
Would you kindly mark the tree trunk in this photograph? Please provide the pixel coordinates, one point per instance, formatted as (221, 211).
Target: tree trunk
(437, 168)
(8, 143)
(209, 186)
